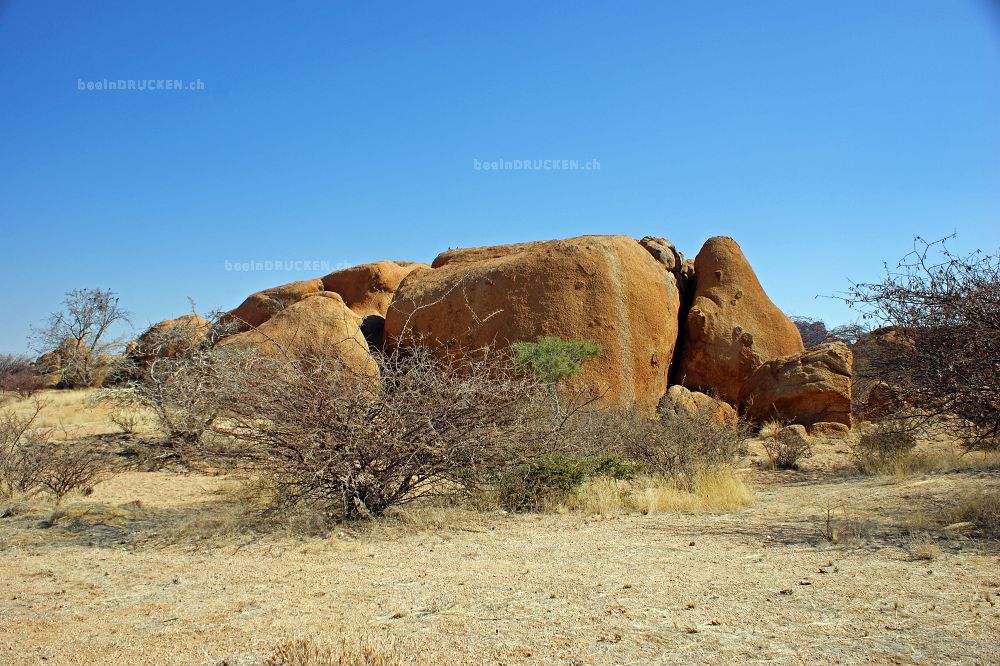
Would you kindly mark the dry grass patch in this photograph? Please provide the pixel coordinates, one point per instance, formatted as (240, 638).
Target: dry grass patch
(979, 509)
(717, 490)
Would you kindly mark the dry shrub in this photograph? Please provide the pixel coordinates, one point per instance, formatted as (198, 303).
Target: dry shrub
(680, 446)
(30, 461)
(884, 448)
(980, 508)
(19, 376)
(787, 447)
(353, 445)
(21, 445)
(939, 340)
(71, 466)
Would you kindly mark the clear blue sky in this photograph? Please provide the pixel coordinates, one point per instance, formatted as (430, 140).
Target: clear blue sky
(820, 135)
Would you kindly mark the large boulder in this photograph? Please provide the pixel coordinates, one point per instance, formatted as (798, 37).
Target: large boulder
(319, 325)
(261, 306)
(698, 406)
(368, 288)
(604, 289)
(168, 339)
(803, 388)
(732, 326)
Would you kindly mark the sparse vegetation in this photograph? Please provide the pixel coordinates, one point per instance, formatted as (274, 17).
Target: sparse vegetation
(78, 341)
(884, 448)
(940, 339)
(31, 461)
(786, 446)
(19, 376)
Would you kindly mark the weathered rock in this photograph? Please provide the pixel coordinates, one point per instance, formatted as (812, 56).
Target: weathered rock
(696, 405)
(732, 326)
(319, 325)
(263, 305)
(604, 289)
(168, 338)
(794, 437)
(830, 430)
(368, 288)
(882, 400)
(805, 388)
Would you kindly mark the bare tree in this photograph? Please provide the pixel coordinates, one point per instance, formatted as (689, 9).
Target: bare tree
(939, 345)
(79, 338)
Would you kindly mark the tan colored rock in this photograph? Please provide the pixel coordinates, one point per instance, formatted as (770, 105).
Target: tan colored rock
(169, 338)
(883, 400)
(263, 305)
(368, 288)
(830, 430)
(794, 437)
(316, 326)
(732, 326)
(805, 388)
(604, 289)
(696, 405)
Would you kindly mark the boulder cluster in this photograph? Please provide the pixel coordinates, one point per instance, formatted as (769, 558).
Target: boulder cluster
(674, 333)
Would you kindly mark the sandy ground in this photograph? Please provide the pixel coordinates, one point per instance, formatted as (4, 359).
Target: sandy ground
(110, 582)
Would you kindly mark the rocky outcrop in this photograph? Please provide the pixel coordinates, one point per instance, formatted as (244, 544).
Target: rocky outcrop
(367, 289)
(317, 326)
(261, 306)
(804, 388)
(732, 327)
(695, 405)
(168, 339)
(605, 289)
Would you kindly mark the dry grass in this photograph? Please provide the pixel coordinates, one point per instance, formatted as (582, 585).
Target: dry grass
(770, 428)
(978, 510)
(718, 490)
(350, 650)
(933, 461)
(76, 413)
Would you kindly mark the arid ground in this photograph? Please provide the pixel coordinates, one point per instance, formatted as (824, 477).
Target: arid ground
(826, 566)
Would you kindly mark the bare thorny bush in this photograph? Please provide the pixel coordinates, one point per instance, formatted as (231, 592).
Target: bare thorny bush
(32, 461)
(940, 350)
(352, 443)
(19, 376)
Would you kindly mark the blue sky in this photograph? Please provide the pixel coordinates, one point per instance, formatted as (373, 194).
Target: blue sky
(821, 135)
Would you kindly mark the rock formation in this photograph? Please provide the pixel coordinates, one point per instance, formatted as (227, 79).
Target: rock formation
(605, 289)
(732, 326)
(694, 404)
(261, 306)
(319, 325)
(804, 388)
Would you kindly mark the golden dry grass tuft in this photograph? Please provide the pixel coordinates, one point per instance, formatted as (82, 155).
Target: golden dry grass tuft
(362, 652)
(716, 490)
(770, 428)
(933, 461)
(981, 509)
(351, 649)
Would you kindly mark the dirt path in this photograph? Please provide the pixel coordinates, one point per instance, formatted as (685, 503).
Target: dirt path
(762, 586)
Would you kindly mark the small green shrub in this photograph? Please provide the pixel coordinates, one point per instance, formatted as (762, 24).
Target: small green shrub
(551, 359)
